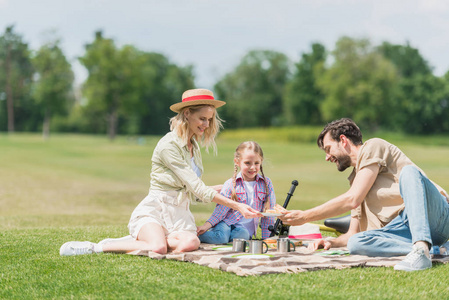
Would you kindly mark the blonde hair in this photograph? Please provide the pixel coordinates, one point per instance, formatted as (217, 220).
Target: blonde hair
(249, 145)
(180, 126)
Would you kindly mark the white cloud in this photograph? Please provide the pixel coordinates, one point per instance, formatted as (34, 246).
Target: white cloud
(4, 3)
(213, 35)
(436, 6)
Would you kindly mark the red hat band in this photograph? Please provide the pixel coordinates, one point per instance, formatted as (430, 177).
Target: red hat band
(199, 97)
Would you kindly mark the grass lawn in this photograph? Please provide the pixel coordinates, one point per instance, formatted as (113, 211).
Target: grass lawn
(77, 187)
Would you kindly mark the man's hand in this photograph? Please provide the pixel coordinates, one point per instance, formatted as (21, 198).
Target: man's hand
(248, 212)
(319, 244)
(293, 217)
(203, 228)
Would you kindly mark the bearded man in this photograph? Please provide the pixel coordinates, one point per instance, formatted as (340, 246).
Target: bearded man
(395, 209)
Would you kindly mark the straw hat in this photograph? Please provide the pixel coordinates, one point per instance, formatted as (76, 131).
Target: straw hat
(196, 97)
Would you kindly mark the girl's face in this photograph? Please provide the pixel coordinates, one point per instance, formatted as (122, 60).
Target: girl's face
(200, 120)
(249, 164)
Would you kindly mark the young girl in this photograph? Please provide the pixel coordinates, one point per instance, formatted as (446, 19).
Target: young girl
(163, 221)
(248, 187)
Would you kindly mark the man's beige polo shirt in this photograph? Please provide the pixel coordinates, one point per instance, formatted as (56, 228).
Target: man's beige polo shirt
(383, 201)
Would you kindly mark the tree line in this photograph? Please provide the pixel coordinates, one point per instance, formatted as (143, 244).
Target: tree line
(129, 91)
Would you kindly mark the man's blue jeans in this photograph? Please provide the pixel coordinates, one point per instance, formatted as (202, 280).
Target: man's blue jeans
(425, 218)
(222, 233)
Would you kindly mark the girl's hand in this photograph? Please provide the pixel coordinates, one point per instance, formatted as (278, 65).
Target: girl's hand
(203, 228)
(248, 212)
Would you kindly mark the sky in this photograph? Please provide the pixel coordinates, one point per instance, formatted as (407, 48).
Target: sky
(214, 35)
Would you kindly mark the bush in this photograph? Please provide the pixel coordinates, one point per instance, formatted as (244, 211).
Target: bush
(296, 134)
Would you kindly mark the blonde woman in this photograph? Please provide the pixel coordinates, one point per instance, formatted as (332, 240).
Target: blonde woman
(163, 222)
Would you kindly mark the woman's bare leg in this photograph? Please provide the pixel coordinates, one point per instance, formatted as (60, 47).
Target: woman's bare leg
(182, 242)
(151, 237)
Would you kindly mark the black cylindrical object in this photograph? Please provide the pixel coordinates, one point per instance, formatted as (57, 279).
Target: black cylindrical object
(275, 230)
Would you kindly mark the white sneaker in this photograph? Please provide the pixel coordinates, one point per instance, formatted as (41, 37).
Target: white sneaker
(416, 260)
(76, 248)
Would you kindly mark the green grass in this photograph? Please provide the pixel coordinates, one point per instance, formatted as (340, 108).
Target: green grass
(76, 187)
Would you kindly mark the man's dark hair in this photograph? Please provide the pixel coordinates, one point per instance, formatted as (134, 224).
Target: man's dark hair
(344, 126)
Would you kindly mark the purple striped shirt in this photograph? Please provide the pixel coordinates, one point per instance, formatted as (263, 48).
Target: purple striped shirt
(231, 217)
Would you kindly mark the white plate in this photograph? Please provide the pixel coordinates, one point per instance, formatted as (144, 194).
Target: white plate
(332, 252)
(249, 255)
(223, 248)
(271, 214)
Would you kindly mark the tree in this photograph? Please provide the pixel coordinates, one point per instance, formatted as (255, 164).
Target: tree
(254, 91)
(112, 84)
(53, 87)
(16, 72)
(303, 96)
(422, 97)
(407, 59)
(161, 84)
(424, 108)
(360, 84)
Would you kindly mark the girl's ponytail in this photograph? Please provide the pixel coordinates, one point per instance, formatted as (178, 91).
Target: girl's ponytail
(267, 199)
(234, 177)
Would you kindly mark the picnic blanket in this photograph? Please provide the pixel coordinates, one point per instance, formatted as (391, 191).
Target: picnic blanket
(223, 258)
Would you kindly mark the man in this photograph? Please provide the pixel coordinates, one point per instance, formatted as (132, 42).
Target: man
(395, 208)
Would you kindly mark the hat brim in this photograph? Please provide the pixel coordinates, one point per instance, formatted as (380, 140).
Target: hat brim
(179, 106)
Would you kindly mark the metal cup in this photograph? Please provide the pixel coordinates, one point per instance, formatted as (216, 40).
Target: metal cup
(256, 246)
(283, 245)
(239, 245)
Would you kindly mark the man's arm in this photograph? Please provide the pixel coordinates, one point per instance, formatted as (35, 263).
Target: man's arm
(341, 241)
(360, 187)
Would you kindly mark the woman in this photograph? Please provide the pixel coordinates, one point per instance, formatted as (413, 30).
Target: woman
(162, 221)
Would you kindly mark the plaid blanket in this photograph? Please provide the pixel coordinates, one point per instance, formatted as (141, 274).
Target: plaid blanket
(243, 264)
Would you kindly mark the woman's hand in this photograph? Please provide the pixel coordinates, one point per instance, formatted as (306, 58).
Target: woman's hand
(217, 187)
(248, 212)
(203, 228)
